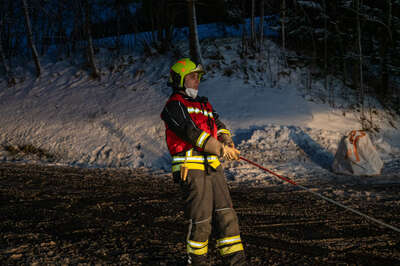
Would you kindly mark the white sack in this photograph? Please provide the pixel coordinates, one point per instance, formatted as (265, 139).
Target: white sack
(356, 155)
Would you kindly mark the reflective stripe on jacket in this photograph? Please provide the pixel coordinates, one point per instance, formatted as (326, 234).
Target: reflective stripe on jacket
(196, 162)
(202, 116)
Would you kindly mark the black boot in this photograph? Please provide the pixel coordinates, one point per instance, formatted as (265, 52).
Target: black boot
(235, 259)
(196, 260)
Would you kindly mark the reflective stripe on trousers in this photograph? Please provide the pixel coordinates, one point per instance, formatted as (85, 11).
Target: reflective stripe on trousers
(207, 198)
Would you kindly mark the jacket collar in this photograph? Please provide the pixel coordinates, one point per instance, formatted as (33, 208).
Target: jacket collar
(200, 99)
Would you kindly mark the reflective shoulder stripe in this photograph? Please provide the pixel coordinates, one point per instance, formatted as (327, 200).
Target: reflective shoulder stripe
(228, 240)
(224, 131)
(231, 249)
(200, 141)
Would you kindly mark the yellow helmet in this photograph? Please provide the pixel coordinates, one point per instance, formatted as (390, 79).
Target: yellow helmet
(180, 69)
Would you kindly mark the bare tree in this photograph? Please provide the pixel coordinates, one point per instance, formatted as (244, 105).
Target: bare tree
(244, 48)
(326, 83)
(283, 21)
(194, 44)
(76, 36)
(385, 42)
(169, 24)
(61, 31)
(261, 42)
(160, 17)
(360, 60)
(90, 51)
(338, 35)
(121, 9)
(313, 66)
(30, 38)
(7, 69)
(253, 34)
(166, 12)
(9, 74)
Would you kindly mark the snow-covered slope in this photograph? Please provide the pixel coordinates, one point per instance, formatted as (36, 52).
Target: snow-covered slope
(115, 122)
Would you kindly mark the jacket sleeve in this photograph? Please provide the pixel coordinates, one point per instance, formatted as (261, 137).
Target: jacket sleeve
(224, 134)
(177, 118)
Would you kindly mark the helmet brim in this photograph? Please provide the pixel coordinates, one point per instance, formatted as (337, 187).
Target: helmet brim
(199, 69)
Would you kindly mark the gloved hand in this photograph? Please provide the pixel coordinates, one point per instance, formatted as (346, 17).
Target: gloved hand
(230, 153)
(215, 147)
(226, 139)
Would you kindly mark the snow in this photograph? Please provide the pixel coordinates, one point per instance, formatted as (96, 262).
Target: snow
(116, 122)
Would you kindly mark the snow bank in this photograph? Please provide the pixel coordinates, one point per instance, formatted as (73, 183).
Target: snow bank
(115, 122)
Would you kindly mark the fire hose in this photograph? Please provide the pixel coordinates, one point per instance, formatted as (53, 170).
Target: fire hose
(322, 196)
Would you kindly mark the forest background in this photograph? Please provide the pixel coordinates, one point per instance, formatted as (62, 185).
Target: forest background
(354, 40)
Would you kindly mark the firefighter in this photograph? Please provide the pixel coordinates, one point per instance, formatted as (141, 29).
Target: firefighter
(196, 138)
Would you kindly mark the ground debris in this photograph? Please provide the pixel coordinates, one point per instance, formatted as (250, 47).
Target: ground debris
(61, 215)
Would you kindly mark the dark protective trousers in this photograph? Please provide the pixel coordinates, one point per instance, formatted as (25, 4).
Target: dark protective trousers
(207, 200)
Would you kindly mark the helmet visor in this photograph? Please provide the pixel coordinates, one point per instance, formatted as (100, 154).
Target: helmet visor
(199, 69)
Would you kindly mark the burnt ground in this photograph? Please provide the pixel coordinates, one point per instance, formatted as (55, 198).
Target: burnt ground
(61, 215)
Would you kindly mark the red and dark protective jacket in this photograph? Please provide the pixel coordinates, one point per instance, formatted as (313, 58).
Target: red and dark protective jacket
(189, 123)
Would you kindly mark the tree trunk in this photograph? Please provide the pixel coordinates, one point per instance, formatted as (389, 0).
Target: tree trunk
(160, 25)
(314, 53)
(10, 76)
(118, 44)
(360, 60)
(3, 57)
(153, 31)
(244, 31)
(343, 58)
(261, 42)
(327, 88)
(90, 51)
(253, 38)
(158, 21)
(169, 27)
(30, 39)
(194, 44)
(385, 43)
(10, 11)
(61, 39)
(283, 20)
(77, 20)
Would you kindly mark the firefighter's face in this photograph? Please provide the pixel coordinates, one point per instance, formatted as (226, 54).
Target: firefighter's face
(192, 81)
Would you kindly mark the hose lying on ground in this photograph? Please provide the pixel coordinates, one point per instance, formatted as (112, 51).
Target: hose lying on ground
(323, 197)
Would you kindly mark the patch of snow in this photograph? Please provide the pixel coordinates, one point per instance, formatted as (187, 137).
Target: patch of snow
(116, 122)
